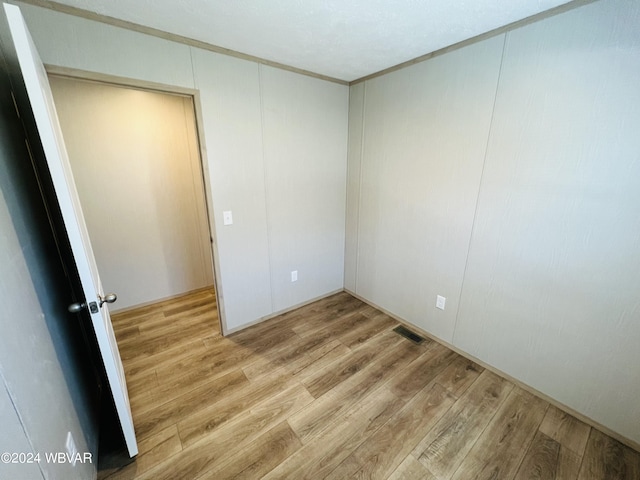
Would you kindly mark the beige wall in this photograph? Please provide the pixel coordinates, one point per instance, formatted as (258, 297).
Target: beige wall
(136, 164)
(36, 348)
(305, 136)
(425, 131)
(505, 176)
(37, 351)
(247, 163)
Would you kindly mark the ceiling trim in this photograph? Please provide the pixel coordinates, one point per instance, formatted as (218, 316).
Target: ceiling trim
(483, 36)
(116, 22)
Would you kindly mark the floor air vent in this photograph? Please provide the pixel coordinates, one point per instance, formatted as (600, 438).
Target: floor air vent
(405, 332)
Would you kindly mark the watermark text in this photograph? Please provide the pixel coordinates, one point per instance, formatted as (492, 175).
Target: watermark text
(47, 457)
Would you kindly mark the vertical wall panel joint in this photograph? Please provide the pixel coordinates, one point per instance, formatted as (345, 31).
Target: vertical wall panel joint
(14, 407)
(266, 188)
(484, 161)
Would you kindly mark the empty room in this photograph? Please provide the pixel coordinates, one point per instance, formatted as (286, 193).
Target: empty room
(320, 239)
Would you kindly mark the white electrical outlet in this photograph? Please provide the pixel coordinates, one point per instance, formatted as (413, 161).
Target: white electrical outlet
(440, 301)
(72, 450)
(227, 217)
(294, 276)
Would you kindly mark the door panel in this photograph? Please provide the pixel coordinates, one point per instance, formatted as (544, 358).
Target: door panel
(41, 99)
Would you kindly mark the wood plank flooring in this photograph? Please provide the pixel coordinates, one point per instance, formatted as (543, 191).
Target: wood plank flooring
(330, 391)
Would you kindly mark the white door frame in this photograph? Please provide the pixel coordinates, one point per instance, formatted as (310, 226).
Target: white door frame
(206, 178)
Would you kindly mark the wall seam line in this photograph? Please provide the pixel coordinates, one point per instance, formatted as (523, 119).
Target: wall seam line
(484, 162)
(24, 430)
(266, 189)
(193, 69)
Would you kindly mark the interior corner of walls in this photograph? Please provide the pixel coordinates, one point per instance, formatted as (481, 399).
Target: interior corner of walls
(355, 129)
(409, 250)
(304, 123)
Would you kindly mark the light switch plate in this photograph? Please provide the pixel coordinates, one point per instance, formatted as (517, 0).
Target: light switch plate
(440, 301)
(227, 217)
(294, 276)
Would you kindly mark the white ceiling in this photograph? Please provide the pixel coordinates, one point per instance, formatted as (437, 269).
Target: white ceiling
(343, 39)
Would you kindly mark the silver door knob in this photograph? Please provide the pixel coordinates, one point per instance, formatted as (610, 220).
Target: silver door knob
(108, 298)
(76, 307)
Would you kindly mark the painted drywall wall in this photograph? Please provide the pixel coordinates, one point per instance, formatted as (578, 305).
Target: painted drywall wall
(425, 132)
(41, 355)
(230, 92)
(305, 157)
(136, 165)
(14, 439)
(237, 131)
(551, 293)
(548, 291)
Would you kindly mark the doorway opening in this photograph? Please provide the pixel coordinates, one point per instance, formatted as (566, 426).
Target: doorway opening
(135, 156)
(137, 162)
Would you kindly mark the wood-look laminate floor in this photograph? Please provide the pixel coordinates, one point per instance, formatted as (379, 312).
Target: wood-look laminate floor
(330, 391)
